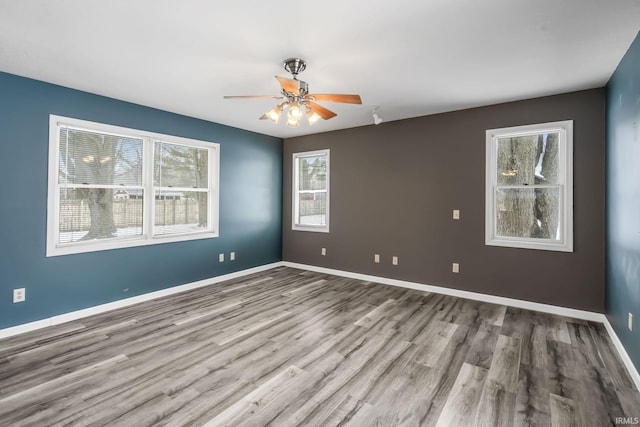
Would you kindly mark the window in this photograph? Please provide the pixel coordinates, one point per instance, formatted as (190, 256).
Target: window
(529, 187)
(311, 191)
(113, 187)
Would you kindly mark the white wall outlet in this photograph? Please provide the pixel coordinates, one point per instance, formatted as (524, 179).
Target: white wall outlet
(19, 295)
(232, 256)
(630, 322)
(323, 252)
(394, 260)
(455, 267)
(221, 258)
(376, 258)
(456, 214)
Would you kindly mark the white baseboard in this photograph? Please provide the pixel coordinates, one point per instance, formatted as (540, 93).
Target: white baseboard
(528, 305)
(633, 372)
(79, 314)
(25, 327)
(511, 302)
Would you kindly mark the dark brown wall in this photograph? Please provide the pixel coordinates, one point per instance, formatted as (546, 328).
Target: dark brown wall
(394, 186)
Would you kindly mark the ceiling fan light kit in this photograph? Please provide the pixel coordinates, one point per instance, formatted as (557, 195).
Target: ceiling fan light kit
(299, 102)
(274, 114)
(313, 117)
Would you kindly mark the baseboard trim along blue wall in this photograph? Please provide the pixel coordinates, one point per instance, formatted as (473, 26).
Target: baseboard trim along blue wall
(250, 207)
(103, 308)
(622, 231)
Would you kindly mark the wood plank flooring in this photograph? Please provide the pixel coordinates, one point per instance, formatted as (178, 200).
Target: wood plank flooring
(288, 347)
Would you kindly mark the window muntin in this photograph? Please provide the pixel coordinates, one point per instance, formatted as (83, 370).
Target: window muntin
(112, 187)
(311, 191)
(529, 201)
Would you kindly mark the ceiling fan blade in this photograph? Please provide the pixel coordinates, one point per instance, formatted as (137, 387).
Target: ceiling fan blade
(335, 97)
(252, 96)
(321, 111)
(289, 85)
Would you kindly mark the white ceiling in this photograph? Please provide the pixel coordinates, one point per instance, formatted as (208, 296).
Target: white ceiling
(409, 57)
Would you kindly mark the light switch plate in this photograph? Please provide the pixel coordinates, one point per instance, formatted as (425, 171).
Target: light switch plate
(376, 258)
(455, 267)
(456, 214)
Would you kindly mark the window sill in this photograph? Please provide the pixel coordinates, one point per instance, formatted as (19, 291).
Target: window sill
(315, 229)
(94, 246)
(523, 244)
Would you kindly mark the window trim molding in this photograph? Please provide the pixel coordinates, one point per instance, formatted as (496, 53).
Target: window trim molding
(294, 188)
(565, 154)
(53, 198)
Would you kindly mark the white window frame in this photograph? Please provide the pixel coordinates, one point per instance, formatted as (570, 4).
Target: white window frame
(147, 238)
(565, 185)
(296, 199)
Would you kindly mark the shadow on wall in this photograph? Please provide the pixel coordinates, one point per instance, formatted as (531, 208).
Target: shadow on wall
(623, 269)
(629, 264)
(626, 262)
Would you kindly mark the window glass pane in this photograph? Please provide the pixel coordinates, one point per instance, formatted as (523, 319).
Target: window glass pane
(180, 166)
(528, 213)
(180, 212)
(312, 208)
(312, 173)
(99, 159)
(528, 160)
(99, 213)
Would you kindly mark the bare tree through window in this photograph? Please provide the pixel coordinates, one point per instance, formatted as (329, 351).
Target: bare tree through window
(529, 201)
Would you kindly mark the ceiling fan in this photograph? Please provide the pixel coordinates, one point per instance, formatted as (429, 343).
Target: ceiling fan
(298, 100)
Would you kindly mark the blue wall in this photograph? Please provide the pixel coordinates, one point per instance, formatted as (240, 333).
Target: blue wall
(250, 206)
(623, 200)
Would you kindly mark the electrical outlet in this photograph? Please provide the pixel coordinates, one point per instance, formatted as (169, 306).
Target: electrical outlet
(232, 256)
(323, 252)
(376, 258)
(630, 322)
(456, 214)
(394, 260)
(221, 258)
(455, 267)
(19, 295)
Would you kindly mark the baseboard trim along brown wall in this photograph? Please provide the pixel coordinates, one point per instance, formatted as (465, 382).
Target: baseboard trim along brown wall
(492, 299)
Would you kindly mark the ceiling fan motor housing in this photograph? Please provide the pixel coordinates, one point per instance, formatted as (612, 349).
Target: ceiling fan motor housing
(294, 66)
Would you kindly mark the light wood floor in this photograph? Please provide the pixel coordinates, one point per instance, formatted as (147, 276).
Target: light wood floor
(287, 347)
